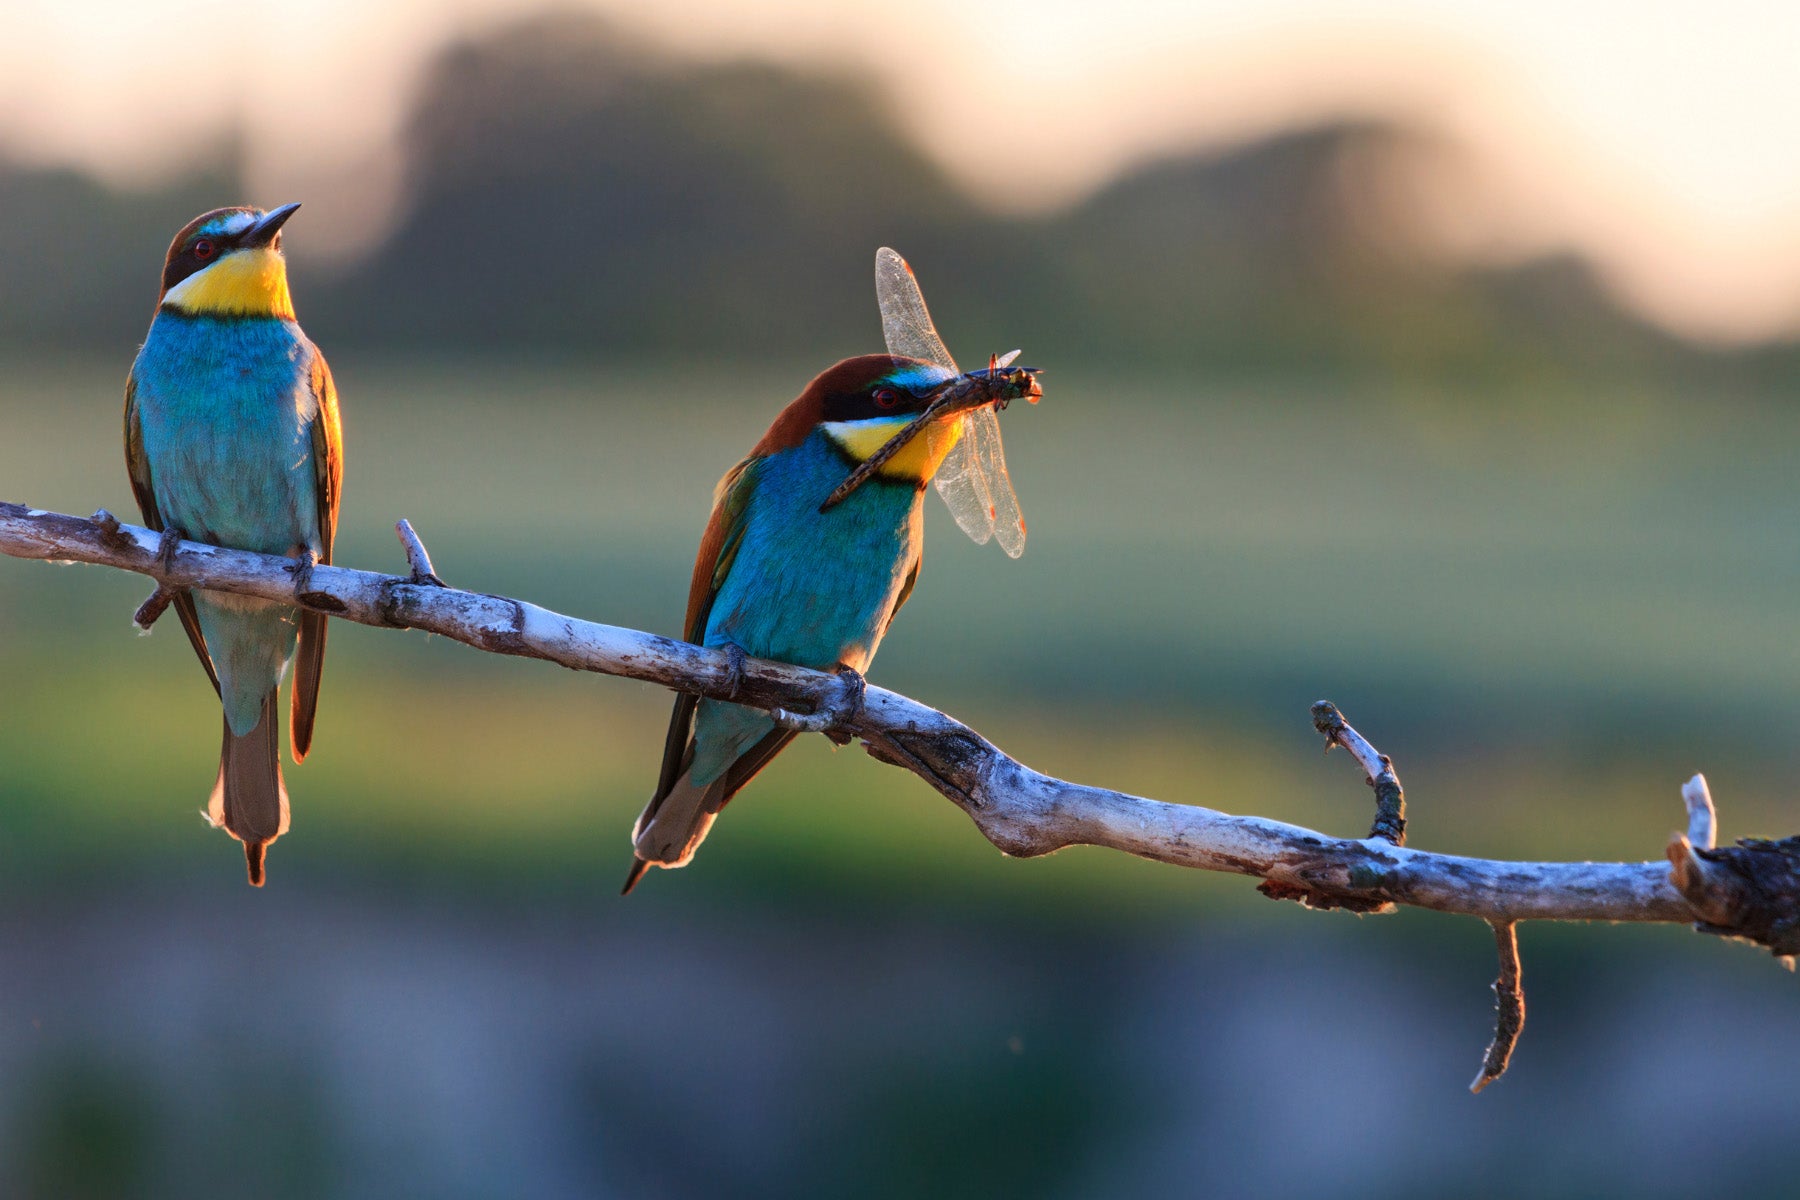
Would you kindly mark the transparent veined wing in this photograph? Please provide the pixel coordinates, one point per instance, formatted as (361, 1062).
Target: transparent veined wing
(972, 479)
(999, 514)
(960, 482)
(905, 322)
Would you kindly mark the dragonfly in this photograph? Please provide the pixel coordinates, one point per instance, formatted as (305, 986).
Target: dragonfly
(972, 479)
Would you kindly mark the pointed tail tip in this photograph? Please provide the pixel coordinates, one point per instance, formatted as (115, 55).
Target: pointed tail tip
(638, 867)
(253, 861)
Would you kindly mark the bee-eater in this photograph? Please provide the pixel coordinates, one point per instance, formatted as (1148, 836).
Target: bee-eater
(232, 437)
(778, 578)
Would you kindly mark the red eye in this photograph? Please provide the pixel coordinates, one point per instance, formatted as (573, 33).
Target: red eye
(204, 249)
(886, 397)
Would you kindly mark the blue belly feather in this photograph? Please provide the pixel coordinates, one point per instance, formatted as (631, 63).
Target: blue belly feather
(227, 410)
(810, 588)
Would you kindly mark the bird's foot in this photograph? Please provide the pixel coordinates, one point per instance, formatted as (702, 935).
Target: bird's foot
(735, 659)
(301, 569)
(833, 716)
(850, 705)
(167, 545)
(158, 601)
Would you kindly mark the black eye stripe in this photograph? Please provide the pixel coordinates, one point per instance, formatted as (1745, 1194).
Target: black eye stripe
(190, 260)
(872, 400)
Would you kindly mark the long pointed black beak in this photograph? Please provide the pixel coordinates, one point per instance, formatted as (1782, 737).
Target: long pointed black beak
(994, 385)
(264, 231)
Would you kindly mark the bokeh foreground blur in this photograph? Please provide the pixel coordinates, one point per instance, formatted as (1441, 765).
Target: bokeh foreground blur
(1541, 550)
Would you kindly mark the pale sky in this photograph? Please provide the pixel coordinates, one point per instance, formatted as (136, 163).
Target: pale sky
(1662, 138)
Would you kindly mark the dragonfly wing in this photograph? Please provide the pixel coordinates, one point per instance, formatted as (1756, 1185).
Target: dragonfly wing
(972, 478)
(905, 321)
(959, 481)
(1003, 514)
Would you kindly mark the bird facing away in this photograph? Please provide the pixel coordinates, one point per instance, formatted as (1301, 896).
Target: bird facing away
(232, 437)
(777, 578)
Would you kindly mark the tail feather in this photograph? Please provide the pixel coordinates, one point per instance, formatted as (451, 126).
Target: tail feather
(674, 825)
(249, 800)
(309, 666)
(679, 816)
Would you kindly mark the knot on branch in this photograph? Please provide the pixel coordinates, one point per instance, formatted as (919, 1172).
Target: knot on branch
(508, 638)
(323, 602)
(1749, 891)
(950, 761)
(112, 534)
(1323, 900)
(1390, 805)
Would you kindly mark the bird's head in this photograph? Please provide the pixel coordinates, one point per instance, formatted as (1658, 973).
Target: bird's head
(227, 263)
(861, 403)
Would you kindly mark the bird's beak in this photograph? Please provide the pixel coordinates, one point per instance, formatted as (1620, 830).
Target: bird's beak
(997, 385)
(264, 231)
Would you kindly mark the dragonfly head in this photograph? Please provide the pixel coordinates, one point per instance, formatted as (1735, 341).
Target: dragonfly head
(1007, 384)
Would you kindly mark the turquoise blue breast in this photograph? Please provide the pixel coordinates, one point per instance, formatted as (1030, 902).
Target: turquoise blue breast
(816, 588)
(807, 587)
(227, 410)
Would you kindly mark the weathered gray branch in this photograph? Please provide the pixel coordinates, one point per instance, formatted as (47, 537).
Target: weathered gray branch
(1019, 810)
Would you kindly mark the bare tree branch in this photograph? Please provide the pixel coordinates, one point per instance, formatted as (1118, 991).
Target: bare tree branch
(1751, 891)
(1021, 811)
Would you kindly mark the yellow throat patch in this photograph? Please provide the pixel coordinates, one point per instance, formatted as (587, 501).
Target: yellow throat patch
(245, 283)
(916, 462)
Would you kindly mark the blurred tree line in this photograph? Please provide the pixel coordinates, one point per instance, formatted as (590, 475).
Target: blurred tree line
(568, 187)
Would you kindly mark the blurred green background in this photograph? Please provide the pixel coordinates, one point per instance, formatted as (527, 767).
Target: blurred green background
(1539, 549)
